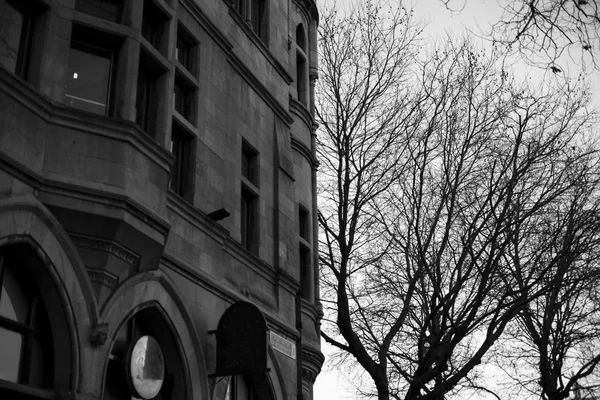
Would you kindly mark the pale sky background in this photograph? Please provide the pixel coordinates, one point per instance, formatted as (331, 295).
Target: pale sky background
(476, 16)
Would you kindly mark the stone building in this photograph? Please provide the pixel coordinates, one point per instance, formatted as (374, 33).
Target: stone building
(157, 199)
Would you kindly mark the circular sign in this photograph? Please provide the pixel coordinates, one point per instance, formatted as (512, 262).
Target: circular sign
(145, 367)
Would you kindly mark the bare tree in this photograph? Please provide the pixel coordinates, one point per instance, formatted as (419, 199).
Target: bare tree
(428, 172)
(545, 31)
(555, 348)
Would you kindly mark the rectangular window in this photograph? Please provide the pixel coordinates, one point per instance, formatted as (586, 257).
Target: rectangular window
(183, 98)
(181, 53)
(181, 148)
(109, 10)
(303, 223)
(143, 100)
(257, 17)
(248, 211)
(305, 283)
(16, 28)
(153, 24)
(89, 78)
(301, 77)
(249, 163)
(149, 74)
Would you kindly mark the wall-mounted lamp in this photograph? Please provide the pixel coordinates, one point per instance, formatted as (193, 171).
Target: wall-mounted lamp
(219, 214)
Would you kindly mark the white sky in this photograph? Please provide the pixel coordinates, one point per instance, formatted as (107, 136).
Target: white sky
(477, 16)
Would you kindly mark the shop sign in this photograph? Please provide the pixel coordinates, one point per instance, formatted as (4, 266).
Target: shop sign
(241, 341)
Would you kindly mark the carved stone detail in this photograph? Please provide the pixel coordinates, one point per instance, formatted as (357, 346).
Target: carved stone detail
(98, 334)
(102, 277)
(308, 376)
(113, 248)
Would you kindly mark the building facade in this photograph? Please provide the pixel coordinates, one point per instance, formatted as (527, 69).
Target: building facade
(157, 174)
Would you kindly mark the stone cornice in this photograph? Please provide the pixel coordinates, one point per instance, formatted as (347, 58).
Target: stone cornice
(301, 148)
(309, 8)
(50, 192)
(301, 111)
(209, 283)
(260, 45)
(61, 116)
(237, 63)
(260, 89)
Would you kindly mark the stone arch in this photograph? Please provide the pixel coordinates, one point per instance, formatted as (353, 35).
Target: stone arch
(153, 289)
(64, 282)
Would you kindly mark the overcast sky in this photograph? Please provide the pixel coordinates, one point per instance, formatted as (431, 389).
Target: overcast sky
(476, 17)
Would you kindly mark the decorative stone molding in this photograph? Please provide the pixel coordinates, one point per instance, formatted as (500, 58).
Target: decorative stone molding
(309, 376)
(102, 277)
(98, 334)
(312, 356)
(108, 246)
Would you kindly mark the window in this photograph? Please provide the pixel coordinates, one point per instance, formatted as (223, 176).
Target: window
(183, 98)
(249, 163)
(89, 78)
(16, 27)
(182, 53)
(301, 77)
(109, 10)
(248, 215)
(181, 147)
(303, 223)
(148, 321)
(149, 74)
(305, 282)
(186, 49)
(154, 25)
(240, 387)
(249, 205)
(25, 335)
(257, 17)
(301, 70)
(143, 100)
(254, 13)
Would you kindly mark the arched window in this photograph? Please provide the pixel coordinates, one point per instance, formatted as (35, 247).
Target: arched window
(301, 68)
(25, 336)
(27, 342)
(148, 321)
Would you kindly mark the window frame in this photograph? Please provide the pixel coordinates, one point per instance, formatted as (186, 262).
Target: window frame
(93, 49)
(29, 331)
(84, 7)
(249, 219)
(182, 169)
(305, 264)
(29, 11)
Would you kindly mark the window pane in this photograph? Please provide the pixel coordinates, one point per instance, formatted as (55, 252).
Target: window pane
(36, 364)
(14, 300)
(181, 53)
(88, 80)
(10, 354)
(109, 10)
(11, 29)
(142, 101)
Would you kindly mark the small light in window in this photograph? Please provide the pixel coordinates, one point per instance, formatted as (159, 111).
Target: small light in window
(75, 75)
